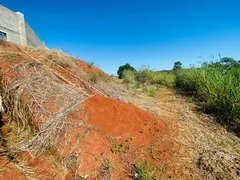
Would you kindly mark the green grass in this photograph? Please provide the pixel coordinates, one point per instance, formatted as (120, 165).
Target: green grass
(146, 171)
(148, 81)
(146, 76)
(218, 86)
(94, 78)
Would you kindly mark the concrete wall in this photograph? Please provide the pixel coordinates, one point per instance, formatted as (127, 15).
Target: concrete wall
(9, 24)
(16, 28)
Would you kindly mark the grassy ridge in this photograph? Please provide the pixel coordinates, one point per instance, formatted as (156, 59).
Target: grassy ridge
(219, 85)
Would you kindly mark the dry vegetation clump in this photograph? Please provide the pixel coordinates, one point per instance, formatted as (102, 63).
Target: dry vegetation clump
(75, 65)
(70, 69)
(39, 108)
(55, 55)
(39, 103)
(73, 70)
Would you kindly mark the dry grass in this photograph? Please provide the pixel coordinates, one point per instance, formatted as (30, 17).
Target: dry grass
(207, 149)
(214, 150)
(55, 55)
(203, 148)
(40, 103)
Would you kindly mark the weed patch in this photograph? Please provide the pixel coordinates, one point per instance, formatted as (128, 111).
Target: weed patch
(146, 171)
(121, 147)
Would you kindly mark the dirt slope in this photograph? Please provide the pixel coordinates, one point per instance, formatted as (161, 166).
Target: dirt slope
(56, 124)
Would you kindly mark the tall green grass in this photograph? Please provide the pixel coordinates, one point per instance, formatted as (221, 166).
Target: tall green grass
(149, 77)
(148, 81)
(218, 86)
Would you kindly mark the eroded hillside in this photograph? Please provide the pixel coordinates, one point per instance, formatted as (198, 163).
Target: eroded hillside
(58, 116)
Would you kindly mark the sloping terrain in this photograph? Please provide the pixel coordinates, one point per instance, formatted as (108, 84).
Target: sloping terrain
(59, 123)
(66, 119)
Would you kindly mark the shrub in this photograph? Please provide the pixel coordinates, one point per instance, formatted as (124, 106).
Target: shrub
(144, 75)
(128, 76)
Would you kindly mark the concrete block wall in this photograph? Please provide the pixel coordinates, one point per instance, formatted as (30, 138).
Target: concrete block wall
(17, 29)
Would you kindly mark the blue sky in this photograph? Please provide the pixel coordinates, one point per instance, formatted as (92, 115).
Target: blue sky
(141, 32)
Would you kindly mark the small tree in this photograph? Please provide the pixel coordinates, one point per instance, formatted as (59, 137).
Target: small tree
(123, 68)
(177, 65)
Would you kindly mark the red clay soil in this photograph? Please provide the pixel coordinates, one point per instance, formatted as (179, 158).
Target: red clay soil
(39, 168)
(120, 121)
(116, 118)
(9, 171)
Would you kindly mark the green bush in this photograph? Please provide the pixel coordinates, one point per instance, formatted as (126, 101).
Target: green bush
(128, 76)
(218, 85)
(144, 76)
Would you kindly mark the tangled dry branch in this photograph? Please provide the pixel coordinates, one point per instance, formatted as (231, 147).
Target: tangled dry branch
(40, 104)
